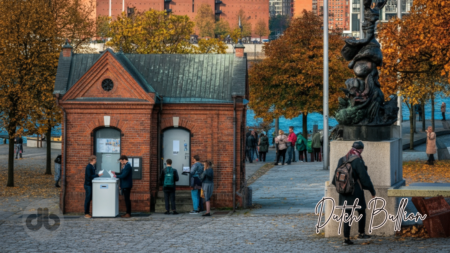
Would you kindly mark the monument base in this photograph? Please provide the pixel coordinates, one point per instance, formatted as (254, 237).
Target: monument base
(367, 133)
(384, 162)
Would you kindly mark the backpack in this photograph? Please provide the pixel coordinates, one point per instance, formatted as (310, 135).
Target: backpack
(344, 181)
(168, 177)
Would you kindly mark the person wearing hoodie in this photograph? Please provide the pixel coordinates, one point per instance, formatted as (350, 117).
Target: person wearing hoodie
(196, 184)
(301, 146)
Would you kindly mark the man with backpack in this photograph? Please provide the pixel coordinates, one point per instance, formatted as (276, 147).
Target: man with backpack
(351, 179)
(168, 178)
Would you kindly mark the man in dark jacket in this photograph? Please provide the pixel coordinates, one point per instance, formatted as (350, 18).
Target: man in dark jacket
(89, 175)
(169, 190)
(126, 183)
(362, 182)
(250, 146)
(19, 146)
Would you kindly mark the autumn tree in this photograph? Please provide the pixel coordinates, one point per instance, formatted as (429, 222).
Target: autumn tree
(27, 51)
(204, 21)
(261, 29)
(416, 51)
(289, 81)
(102, 26)
(222, 28)
(155, 32)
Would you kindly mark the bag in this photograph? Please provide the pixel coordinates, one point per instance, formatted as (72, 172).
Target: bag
(168, 177)
(344, 181)
(202, 194)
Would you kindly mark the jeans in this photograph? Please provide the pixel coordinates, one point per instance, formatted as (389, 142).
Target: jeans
(443, 116)
(169, 199)
(361, 223)
(254, 153)
(316, 154)
(87, 200)
(281, 153)
(18, 150)
(126, 195)
(57, 172)
(195, 199)
(262, 156)
(200, 201)
(290, 154)
(249, 155)
(303, 155)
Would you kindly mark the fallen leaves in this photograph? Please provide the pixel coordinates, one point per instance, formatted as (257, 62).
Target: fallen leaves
(418, 171)
(413, 231)
(29, 182)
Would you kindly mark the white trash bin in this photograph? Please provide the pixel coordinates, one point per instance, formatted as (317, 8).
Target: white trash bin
(105, 197)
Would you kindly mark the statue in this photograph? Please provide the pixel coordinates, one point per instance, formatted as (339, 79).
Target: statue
(364, 102)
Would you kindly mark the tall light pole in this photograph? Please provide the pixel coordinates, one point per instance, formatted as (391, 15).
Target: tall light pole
(325, 85)
(361, 19)
(399, 97)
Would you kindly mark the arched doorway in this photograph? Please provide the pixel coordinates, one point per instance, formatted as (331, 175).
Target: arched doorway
(177, 147)
(107, 149)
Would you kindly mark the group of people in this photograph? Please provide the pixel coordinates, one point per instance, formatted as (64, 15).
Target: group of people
(201, 183)
(257, 146)
(287, 144)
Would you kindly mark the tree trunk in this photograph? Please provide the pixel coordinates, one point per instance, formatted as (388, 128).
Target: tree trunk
(48, 165)
(423, 116)
(277, 126)
(432, 112)
(414, 118)
(10, 182)
(305, 125)
(411, 127)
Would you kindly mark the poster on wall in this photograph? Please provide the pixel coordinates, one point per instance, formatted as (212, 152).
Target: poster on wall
(108, 145)
(176, 147)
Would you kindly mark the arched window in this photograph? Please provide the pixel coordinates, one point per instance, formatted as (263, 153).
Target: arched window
(107, 149)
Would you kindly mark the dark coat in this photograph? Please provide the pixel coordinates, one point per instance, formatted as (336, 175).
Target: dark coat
(251, 142)
(175, 179)
(126, 177)
(264, 144)
(359, 172)
(89, 175)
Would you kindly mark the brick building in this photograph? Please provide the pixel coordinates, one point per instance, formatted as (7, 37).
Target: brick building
(154, 107)
(338, 11)
(255, 10)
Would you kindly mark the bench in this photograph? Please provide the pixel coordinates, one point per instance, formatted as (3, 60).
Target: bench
(436, 208)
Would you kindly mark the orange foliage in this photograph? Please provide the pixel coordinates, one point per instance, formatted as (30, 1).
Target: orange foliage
(418, 171)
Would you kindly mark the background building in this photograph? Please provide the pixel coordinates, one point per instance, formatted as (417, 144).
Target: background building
(388, 12)
(280, 7)
(338, 11)
(224, 9)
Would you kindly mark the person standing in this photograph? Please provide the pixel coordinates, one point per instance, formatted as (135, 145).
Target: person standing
(443, 107)
(315, 144)
(281, 143)
(301, 146)
(431, 145)
(263, 147)
(291, 140)
(126, 183)
(19, 146)
(362, 182)
(251, 145)
(255, 145)
(419, 111)
(207, 185)
(196, 183)
(89, 175)
(168, 178)
(57, 170)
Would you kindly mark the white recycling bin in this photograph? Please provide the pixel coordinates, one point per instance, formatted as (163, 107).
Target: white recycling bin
(105, 197)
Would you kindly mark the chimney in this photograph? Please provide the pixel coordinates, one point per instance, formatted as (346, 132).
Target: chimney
(67, 49)
(239, 49)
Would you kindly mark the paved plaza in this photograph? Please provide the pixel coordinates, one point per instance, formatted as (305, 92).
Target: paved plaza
(283, 220)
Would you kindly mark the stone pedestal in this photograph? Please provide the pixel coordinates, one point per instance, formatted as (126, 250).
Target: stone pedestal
(384, 162)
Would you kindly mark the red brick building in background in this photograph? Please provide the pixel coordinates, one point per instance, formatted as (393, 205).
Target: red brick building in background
(255, 10)
(144, 98)
(339, 11)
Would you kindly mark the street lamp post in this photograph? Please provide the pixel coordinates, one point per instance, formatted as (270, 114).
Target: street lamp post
(325, 85)
(361, 19)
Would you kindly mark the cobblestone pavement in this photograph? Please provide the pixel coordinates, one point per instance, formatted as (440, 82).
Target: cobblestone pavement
(31, 156)
(235, 233)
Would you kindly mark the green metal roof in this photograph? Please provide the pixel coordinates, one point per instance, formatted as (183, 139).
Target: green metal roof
(181, 78)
